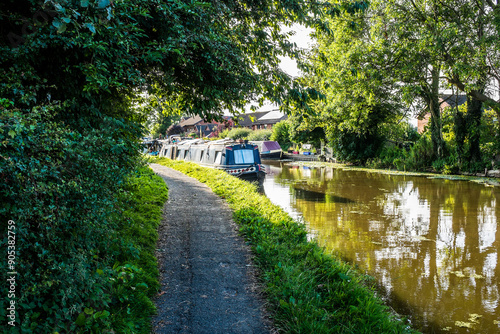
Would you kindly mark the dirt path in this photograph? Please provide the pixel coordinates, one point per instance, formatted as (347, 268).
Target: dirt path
(206, 280)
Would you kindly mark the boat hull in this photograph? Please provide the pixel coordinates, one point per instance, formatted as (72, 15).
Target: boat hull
(250, 173)
(270, 155)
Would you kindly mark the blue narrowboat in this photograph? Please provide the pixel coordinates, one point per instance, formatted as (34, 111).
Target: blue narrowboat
(240, 159)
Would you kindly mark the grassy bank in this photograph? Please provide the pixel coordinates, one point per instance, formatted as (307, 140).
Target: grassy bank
(131, 268)
(308, 290)
(135, 271)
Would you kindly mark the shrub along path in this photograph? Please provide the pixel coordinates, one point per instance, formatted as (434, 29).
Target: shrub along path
(206, 277)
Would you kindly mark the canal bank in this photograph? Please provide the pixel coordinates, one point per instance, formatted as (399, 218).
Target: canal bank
(306, 290)
(431, 241)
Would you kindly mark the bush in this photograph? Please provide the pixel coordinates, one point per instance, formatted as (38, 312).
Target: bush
(281, 134)
(420, 156)
(260, 135)
(224, 134)
(390, 157)
(355, 147)
(239, 133)
(62, 189)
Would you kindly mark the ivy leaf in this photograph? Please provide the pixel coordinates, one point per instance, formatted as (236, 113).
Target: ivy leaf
(12, 133)
(142, 286)
(61, 27)
(80, 321)
(59, 8)
(103, 4)
(84, 3)
(101, 314)
(91, 27)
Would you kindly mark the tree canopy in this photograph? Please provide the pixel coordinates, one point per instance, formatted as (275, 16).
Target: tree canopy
(392, 58)
(205, 55)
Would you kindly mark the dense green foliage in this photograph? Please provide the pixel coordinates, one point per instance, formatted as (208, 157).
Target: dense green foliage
(417, 154)
(260, 135)
(394, 58)
(109, 49)
(237, 133)
(164, 125)
(78, 253)
(60, 187)
(308, 290)
(281, 134)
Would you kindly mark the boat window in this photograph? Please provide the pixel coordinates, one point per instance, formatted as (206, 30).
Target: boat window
(218, 158)
(243, 157)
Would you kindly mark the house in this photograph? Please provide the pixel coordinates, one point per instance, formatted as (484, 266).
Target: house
(189, 123)
(261, 119)
(198, 125)
(445, 101)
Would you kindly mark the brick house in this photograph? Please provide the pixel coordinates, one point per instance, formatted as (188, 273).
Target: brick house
(197, 124)
(445, 101)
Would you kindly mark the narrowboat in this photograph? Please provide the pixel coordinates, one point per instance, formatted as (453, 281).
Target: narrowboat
(269, 149)
(240, 159)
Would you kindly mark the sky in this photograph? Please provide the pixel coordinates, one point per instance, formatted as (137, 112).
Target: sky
(303, 40)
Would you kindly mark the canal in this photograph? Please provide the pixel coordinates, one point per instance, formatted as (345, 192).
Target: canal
(432, 244)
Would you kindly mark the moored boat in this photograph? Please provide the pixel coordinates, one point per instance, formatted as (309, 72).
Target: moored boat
(240, 159)
(269, 149)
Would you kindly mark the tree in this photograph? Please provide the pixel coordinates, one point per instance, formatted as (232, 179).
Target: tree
(350, 66)
(110, 49)
(461, 36)
(162, 122)
(304, 130)
(407, 51)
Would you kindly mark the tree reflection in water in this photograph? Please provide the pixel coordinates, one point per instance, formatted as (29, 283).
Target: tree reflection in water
(432, 244)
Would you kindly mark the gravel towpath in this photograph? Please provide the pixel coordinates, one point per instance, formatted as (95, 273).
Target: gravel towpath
(207, 281)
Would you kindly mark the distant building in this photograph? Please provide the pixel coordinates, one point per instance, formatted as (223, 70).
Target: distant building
(198, 125)
(254, 121)
(260, 120)
(445, 101)
(188, 124)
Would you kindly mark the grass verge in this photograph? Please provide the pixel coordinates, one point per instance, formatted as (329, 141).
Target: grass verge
(308, 290)
(135, 273)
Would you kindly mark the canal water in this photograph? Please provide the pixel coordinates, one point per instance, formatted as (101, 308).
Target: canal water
(432, 244)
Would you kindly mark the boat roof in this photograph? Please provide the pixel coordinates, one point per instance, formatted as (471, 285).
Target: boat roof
(208, 143)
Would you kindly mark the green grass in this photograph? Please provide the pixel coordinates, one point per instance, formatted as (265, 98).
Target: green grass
(308, 290)
(135, 274)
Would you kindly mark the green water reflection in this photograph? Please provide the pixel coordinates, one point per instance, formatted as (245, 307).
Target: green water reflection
(432, 244)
